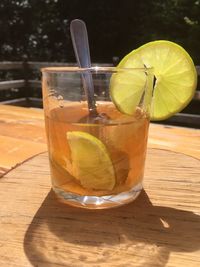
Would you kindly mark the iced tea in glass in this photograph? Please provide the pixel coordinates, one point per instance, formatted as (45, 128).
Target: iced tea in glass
(96, 161)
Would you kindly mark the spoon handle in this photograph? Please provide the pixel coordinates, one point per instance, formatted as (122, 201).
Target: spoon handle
(82, 52)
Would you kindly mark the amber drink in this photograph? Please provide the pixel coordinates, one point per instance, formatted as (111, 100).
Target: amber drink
(96, 161)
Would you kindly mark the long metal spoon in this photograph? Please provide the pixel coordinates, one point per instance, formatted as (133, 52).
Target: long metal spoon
(82, 52)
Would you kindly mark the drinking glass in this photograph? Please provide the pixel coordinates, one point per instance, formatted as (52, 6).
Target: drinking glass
(97, 158)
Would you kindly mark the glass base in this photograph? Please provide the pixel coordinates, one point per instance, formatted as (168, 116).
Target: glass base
(102, 202)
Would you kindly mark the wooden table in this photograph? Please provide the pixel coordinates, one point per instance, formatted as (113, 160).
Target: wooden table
(161, 228)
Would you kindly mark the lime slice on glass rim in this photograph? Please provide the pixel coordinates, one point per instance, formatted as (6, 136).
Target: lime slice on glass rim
(91, 163)
(175, 79)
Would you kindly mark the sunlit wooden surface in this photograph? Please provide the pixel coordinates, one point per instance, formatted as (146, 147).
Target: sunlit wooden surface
(161, 228)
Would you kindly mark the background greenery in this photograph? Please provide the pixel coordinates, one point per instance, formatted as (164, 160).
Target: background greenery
(40, 28)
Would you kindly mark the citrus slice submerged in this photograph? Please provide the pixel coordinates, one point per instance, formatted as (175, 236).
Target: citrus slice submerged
(175, 74)
(91, 163)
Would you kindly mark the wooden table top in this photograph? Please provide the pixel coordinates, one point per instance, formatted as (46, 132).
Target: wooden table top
(161, 228)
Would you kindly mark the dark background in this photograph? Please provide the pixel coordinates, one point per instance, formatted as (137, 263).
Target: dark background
(40, 28)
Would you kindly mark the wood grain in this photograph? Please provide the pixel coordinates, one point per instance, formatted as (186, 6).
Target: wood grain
(179, 139)
(161, 228)
(22, 135)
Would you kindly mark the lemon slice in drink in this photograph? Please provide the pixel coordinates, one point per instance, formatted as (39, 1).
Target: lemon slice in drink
(91, 163)
(175, 74)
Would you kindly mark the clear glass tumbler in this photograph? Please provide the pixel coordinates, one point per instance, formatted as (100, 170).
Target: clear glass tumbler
(97, 156)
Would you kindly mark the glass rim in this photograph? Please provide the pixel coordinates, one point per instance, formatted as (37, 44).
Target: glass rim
(93, 69)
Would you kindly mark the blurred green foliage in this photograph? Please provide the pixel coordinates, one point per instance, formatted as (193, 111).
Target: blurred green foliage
(40, 28)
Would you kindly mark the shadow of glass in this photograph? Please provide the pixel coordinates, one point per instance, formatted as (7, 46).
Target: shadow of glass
(137, 234)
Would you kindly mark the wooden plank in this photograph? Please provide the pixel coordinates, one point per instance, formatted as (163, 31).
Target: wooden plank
(14, 112)
(12, 84)
(22, 128)
(34, 83)
(39, 65)
(28, 124)
(197, 95)
(30, 102)
(22, 135)
(11, 65)
(198, 70)
(191, 120)
(178, 139)
(16, 150)
(16, 101)
(160, 229)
